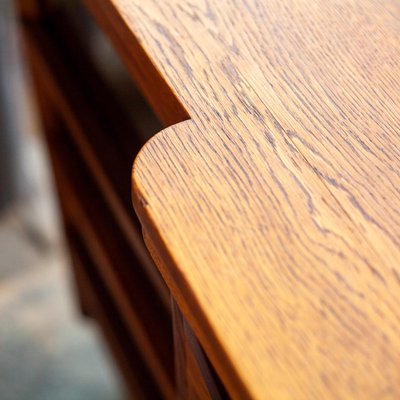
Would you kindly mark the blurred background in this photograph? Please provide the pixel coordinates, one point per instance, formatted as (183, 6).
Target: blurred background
(48, 350)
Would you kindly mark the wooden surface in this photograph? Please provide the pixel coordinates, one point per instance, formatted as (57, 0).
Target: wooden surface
(275, 207)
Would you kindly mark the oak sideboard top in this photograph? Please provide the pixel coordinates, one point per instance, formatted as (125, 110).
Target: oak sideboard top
(272, 198)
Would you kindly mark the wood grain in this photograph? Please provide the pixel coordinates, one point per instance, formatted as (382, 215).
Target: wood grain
(275, 207)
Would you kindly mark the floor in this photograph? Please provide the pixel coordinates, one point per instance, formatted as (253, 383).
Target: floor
(47, 350)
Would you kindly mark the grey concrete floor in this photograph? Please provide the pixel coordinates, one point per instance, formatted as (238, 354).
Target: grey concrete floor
(47, 350)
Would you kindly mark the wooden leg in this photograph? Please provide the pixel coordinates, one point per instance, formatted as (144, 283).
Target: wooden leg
(33, 9)
(50, 122)
(194, 378)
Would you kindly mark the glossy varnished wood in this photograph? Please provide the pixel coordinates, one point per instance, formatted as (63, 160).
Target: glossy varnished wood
(274, 209)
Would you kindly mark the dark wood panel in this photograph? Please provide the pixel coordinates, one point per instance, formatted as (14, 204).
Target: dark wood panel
(193, 381)
(79, 94)
(145, 314)
(87, 161)
(102, 307)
